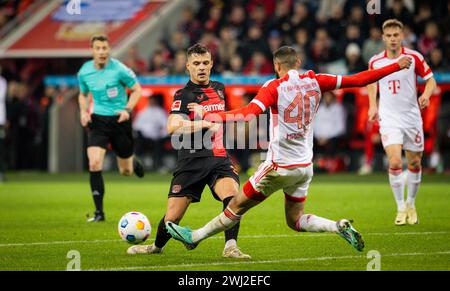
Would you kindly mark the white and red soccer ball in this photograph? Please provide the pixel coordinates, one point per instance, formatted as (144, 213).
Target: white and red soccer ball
(134, 227)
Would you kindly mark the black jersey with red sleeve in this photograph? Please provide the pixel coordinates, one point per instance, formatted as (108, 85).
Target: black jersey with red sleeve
(212, 98)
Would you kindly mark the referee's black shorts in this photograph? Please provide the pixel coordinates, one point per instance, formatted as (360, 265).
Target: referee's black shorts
(104, 130)
(193, 174)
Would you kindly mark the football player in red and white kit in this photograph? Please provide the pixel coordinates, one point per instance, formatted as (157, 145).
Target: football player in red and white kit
(293, 100)
(399, 116)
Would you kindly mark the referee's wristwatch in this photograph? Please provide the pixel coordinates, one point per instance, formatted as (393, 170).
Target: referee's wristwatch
(128, 110)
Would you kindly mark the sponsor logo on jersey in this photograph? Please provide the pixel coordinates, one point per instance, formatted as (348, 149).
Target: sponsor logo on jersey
(214, 107)
(176, 106)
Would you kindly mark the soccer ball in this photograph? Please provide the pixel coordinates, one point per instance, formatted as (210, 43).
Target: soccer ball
(134, 227)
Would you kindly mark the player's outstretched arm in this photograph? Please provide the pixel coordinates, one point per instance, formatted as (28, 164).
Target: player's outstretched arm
(329, 82)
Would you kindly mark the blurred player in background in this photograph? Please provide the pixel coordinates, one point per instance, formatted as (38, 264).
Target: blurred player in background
(109, 122)
(399, 116)
(199, 164)
(293, 99)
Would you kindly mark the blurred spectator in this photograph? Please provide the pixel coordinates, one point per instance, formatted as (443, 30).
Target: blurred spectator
(275, 41)
(444, 132)
(210, 40)
(353, 59)
(437, 62)
(399, 11)
(352, 35)
(410, 39)
(373, 45)
(323, 47)
(150, 126)
(328, 8)
(228, 46)
(237, 21)
(422, 17)
(235, 66)
(189, 25)
(281, 20)
(158, 65)
(357, 18)
(302, 42)
(255, 41)
(178, 41)
(179, 64)
(23, 125)
(372, 145)
(258, 16)
(3, 90)
(258, 65)
(329, 127)
(302, 18)
(430, 39)
(134, 61)
(215, 17)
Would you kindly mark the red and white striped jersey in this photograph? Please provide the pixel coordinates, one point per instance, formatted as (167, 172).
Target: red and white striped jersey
(398, 105)
(293, 101)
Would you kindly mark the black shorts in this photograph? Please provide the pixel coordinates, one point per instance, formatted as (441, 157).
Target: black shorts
(104, 130)
(193, 174)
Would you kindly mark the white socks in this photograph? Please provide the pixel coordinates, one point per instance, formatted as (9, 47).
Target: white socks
(413, 179)
(227, 219)
(397, 186)
(312, 223)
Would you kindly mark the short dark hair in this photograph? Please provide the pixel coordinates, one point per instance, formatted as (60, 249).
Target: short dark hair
(197, 49)
(99, 37)
(286, 55)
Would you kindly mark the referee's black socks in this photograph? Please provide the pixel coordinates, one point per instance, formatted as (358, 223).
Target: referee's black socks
(98, 190)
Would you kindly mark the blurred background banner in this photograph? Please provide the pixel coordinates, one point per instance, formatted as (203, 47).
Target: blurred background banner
(52, 32)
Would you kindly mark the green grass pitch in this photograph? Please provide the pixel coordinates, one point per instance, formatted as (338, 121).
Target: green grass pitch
(42, 218)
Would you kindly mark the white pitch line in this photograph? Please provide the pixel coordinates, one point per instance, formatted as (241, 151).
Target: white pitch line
(221, 237)
(264, 261)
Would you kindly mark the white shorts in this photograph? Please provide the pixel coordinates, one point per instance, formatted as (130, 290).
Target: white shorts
(412, 139)
(270, 178)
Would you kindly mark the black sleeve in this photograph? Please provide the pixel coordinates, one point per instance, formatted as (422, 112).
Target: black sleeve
(180, 102)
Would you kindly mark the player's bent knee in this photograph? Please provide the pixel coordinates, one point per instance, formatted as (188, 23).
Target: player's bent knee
(395, 163)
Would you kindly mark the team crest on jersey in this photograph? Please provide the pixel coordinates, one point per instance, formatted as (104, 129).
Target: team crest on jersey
(176, 189)
(176, 106)
(201, 97)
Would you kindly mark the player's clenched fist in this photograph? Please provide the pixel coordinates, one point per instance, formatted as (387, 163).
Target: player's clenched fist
(405, 62)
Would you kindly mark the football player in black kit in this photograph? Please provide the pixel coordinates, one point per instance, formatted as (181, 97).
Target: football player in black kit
(199, 164)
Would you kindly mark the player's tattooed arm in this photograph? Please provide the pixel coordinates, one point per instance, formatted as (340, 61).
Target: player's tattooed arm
(176, 124)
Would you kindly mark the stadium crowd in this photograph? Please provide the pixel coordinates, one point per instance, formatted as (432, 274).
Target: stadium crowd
(332, 36)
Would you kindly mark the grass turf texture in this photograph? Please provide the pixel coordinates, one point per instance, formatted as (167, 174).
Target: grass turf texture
(42, 218)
